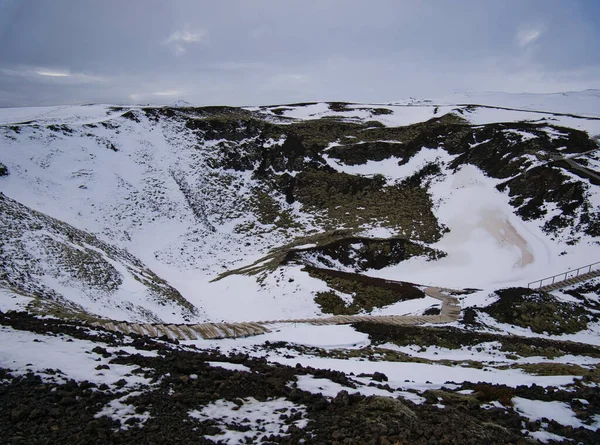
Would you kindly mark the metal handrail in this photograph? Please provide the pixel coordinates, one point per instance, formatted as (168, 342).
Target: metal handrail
(568, 274)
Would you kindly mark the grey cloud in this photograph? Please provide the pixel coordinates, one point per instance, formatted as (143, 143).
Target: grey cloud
(270, 51)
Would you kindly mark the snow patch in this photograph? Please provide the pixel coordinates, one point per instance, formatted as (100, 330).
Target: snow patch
(229, 366)
(261, 419)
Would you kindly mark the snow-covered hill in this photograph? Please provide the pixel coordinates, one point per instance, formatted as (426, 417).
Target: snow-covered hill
(198, 192)
(182, 214)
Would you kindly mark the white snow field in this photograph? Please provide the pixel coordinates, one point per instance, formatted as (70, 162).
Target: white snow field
(580, 103)
(62, 114)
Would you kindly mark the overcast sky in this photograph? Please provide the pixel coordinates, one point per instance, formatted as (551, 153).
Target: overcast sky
(277, 51)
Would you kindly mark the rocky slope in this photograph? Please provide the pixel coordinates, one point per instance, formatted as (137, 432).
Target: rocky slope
(150, 391)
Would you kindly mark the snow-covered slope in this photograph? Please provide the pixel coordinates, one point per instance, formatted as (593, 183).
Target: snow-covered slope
(200, 193)
(72, 273)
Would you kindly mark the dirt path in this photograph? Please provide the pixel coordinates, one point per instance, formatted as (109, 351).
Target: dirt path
(449, 313)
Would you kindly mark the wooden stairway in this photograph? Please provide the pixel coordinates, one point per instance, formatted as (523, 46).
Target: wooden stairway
(450, 312)
(566, 279)
(570, 281)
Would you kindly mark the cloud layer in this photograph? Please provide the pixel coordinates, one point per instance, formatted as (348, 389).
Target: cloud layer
(268, 51)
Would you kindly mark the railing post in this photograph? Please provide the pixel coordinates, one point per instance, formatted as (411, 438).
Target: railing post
(565, 275)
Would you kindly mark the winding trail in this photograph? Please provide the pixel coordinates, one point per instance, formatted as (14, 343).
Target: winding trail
(449, 313)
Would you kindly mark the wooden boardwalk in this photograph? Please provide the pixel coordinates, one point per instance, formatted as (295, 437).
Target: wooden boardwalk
(449, 313)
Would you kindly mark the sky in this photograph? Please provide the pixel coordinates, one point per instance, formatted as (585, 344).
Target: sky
(258, 52)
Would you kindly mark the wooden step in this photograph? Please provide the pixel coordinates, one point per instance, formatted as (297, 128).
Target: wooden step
(570, 281)
(450, 312)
